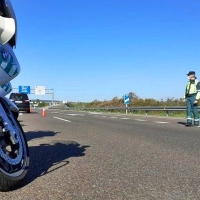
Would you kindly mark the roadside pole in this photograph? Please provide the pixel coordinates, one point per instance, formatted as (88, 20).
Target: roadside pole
(52, 96)
(126, 102)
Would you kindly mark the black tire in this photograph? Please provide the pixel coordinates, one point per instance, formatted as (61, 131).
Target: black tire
(13, 180)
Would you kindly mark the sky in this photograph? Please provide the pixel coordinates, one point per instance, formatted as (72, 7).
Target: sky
(99, 49)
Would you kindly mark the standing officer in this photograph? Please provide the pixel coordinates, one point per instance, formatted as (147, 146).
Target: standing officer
(192, 95)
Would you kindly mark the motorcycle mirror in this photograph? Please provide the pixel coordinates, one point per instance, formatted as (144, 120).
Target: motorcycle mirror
(7, 29)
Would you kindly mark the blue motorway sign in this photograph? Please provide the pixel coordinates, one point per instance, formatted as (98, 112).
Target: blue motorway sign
(126, 99)
(25, 89)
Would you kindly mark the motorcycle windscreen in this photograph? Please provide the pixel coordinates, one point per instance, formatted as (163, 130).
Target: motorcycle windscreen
(9, 65)
(5, 89)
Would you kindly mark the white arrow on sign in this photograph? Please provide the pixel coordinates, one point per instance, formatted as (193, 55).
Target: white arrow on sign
(126, 100)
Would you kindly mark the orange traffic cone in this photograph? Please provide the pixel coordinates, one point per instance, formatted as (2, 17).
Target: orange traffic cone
(30, 109)
(43, 112)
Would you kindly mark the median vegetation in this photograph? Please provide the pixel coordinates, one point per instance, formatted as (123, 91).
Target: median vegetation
(135, 101)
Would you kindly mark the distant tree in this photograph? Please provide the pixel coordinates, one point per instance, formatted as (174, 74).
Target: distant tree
(150, 102)
(37, 101)
(115, 101)
(42, 104)
(69, 104)
(132, 96)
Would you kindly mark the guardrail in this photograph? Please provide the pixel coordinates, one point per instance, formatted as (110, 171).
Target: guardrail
(132, 109)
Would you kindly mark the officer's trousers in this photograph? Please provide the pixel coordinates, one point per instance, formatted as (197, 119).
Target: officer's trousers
(192, 109)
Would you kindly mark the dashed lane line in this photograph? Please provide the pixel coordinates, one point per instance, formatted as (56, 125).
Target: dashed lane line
(140, 120)
(95, 113)
(161, 122)
(61, 119)
(70, 114)
(114, 117)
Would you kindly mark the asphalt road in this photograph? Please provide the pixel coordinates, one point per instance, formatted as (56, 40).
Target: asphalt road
(83, 156)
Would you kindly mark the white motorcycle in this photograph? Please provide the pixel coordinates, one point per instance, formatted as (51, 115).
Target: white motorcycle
(14, 153)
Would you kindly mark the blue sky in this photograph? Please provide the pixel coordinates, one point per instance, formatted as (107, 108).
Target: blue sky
(98, 49)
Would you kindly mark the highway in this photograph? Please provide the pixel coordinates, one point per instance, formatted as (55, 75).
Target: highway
(83, 156)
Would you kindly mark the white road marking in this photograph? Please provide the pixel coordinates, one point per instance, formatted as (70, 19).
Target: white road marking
(104, 116)
(140, 120)
(124, 118)
(70, 114)
(74, 114)
(161, 122)
(61, 119)
(95, 113)
(114, 117)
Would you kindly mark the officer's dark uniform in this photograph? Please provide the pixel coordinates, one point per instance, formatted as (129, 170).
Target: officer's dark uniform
(192, 93)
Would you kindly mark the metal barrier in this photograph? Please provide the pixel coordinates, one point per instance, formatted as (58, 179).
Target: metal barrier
(132, 109)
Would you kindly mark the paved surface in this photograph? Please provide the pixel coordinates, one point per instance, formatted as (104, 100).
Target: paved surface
(81, 155)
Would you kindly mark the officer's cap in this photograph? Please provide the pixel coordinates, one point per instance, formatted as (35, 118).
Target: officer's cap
(190, 73)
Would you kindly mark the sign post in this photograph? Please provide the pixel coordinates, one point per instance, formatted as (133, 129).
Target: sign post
(39, 90)
(126, 101)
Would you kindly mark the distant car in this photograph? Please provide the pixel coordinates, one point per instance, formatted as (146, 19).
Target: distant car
(21, 101)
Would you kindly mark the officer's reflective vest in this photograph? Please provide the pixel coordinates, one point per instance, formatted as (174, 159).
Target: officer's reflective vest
(192, 88)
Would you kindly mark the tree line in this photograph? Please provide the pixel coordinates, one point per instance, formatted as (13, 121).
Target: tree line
(136, 101)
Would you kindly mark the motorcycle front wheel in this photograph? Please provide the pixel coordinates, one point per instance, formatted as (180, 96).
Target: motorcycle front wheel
(14, 158)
